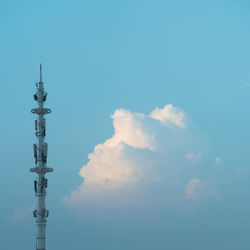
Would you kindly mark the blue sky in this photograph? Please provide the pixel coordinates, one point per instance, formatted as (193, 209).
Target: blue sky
(100, 57)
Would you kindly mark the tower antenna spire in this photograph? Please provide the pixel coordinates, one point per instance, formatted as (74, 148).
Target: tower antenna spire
(41, 73)
(40, 154)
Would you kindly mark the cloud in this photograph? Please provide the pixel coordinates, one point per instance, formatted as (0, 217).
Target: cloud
(192, 189)
(20, 215)
(109, 166)
(170, 116)
(129, 129)
(193, 157)
(143, 159)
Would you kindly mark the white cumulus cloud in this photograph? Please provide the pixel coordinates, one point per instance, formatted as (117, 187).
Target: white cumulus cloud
(129, 129)
(141, 154)
(170, 116)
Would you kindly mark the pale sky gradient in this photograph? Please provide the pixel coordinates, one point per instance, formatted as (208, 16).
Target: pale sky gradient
(110, 69)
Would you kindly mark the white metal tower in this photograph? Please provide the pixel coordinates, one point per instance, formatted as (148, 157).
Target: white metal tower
(40, 154)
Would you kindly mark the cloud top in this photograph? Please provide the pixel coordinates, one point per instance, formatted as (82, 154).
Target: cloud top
(129, 129)
(169, 116)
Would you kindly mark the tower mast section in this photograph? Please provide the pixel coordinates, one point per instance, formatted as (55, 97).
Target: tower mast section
(40, 155)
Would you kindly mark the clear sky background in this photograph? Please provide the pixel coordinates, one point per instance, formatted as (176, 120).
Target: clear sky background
(99, 57)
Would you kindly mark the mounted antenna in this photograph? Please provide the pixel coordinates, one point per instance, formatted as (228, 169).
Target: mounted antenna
(41, 79)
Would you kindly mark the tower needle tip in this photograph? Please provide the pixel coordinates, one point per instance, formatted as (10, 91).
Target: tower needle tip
(41, 73)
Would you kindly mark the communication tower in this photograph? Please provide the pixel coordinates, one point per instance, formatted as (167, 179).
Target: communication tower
(40, 154)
